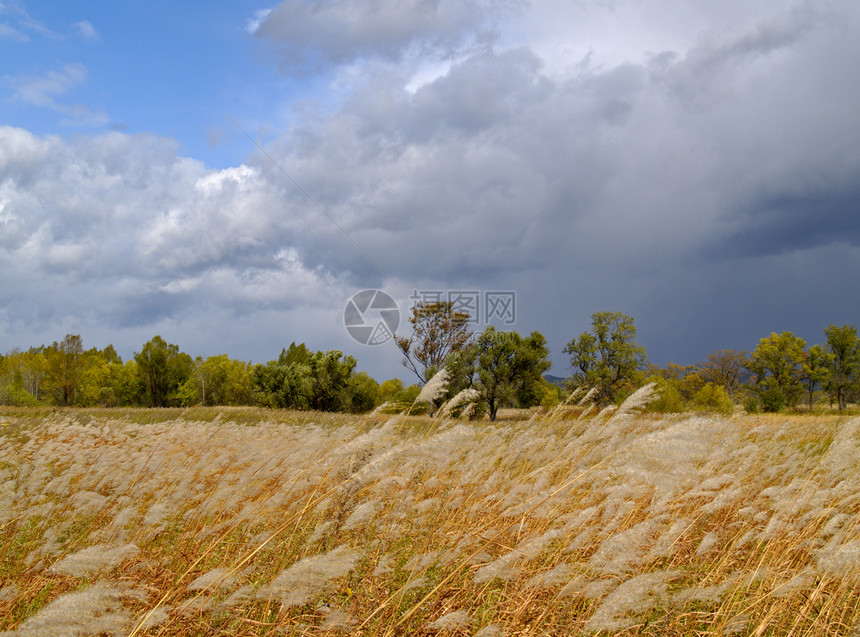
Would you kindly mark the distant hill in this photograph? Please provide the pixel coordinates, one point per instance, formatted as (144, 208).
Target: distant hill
(555, 380)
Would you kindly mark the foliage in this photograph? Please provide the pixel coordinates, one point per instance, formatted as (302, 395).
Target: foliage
(608, 357)
(681, 389)
(326, 380)
(295, 355)
(669, 398)
(64, 369)
(503, 367)
(779, 373)
(776, 368)
(363, 392)
(125, 383)
(220, 380)
(437, 331)
(320, 380)
(681, 380)
(389, 389)
(163, 369)
(278, 386)
(95, 387)
(816, 370)
(61, 374)
(844, 347)
(551, 398)
(714, 398)
(408, 394)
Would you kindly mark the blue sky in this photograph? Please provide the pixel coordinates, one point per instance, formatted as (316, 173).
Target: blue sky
(692, 164)
(139, 67)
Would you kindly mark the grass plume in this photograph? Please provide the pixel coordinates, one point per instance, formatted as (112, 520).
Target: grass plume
(570, 522)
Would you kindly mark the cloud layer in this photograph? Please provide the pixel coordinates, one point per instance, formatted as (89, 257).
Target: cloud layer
(339, 31)
(707, 187)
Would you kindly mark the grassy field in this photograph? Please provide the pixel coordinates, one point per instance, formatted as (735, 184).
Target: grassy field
(254, 522)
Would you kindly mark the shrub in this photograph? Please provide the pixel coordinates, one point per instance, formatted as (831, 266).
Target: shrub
(772, 400)
(669, 399)
(751, 404)
(713, 398)
(550, 399)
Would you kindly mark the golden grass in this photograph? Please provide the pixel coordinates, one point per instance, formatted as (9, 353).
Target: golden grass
(241, 521)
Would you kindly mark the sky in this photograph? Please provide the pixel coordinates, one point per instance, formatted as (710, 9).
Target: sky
(230, 174)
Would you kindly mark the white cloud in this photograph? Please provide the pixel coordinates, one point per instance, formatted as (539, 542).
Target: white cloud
(42, 90)
(118, 231)
(23, 23)
(253, 24)
(8, 32)
(85, 30)
(47, 89)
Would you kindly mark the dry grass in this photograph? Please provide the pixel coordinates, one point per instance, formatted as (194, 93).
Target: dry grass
(253, 522)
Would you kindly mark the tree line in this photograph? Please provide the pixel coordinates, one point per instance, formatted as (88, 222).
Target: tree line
(160, 375)
(505, 369)
(779, 373)
(486, 371)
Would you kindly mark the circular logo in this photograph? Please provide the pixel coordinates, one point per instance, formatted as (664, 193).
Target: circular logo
(371, 317)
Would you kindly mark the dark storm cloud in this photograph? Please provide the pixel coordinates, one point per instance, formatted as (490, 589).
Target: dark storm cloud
(145, 308)
(742, 146)
(431, 181)
(787, 223)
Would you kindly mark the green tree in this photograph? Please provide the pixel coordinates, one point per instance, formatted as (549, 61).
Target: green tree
(816, 370)
(220, 380)
(363, 392)
(318, 380)
(843, 345)
(715, 398)
(126, 384)
(295, 355)
(32, 366)
(669, 397)
(21, 377)
(676, 386)
(163, 370)
(777, 372)
(65, 366)
(551, 398)
(437, 331)
(393, 391)
(389, 389)
(96, 388)
(279, 386)
(503, 367)
(326, 380)
(279, 383)
(608, 357)
(408, 394)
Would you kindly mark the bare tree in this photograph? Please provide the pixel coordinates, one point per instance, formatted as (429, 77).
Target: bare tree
(727, 368)
(437, 331)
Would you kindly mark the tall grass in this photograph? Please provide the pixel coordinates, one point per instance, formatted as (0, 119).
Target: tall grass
(243, 522)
